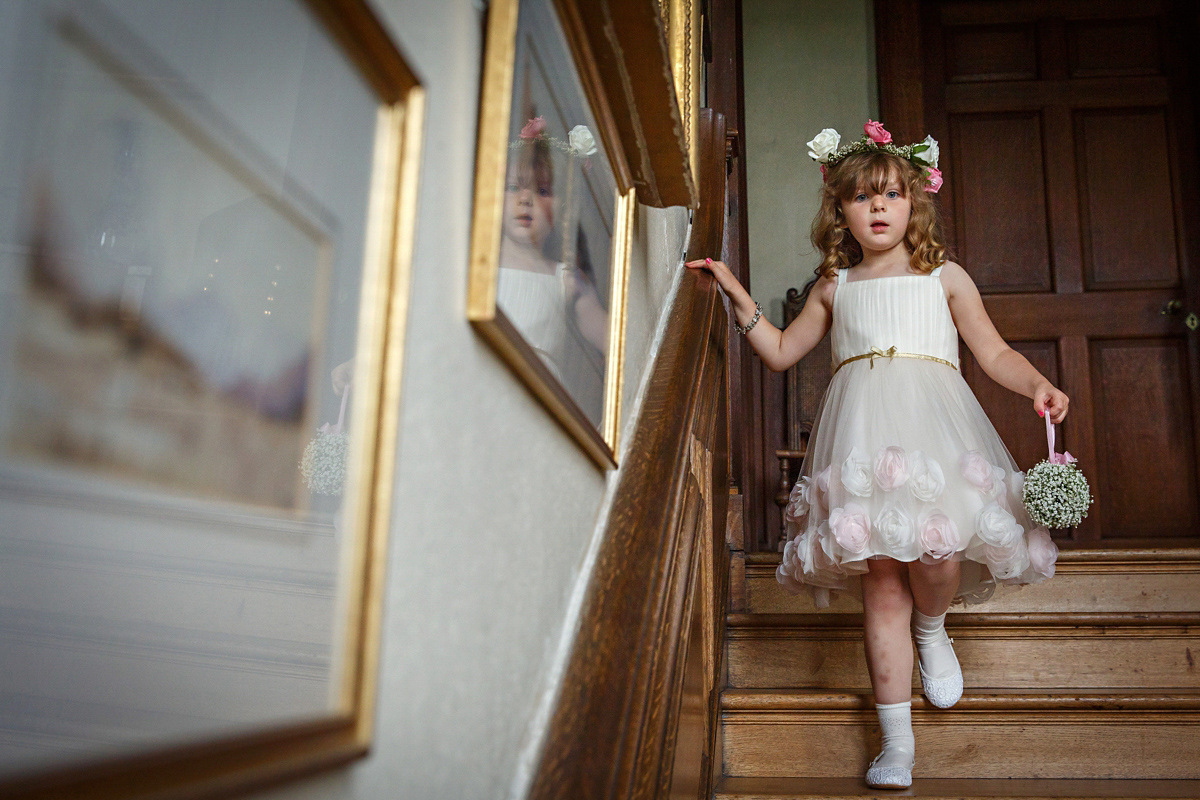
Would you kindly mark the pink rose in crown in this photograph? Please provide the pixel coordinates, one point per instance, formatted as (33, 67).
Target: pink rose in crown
(534, 128)
(891, 468)
(851, 527)
(935, 179)
(876, 132)
(938, 534)
(824, 170)
(1043, 552)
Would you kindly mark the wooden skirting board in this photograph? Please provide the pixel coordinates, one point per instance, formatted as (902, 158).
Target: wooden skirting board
(955, 789)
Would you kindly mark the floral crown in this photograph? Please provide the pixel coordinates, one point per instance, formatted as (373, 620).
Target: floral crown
(580, 141)
(825, 150)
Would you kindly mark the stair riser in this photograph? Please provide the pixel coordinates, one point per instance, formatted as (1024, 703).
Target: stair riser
(969, 744)
(1076, 588)
(1037, 660)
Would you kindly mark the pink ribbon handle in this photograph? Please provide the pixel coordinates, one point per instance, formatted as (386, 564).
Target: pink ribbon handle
(1055, 458)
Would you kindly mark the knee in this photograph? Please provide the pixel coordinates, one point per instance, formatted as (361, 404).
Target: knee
(938, 573)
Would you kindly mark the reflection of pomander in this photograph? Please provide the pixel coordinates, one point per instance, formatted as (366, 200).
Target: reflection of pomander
(536, 304)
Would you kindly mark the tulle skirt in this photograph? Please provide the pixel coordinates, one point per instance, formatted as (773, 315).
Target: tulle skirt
(904, 464)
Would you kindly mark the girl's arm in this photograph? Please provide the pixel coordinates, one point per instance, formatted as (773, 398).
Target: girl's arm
(1004, 365)
(778, 349)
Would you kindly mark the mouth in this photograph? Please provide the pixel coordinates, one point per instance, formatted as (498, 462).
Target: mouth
(525, 220)
(879, 227)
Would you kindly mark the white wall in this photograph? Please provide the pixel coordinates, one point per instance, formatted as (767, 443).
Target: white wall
(496, 507)
(808, 65)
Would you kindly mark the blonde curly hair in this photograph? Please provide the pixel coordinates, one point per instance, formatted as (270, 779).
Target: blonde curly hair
(872, 171)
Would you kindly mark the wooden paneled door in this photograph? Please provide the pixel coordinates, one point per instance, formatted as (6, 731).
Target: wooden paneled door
(1068, 146)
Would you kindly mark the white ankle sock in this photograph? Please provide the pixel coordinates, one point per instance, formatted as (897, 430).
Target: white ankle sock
(895, 721)
(933, 645)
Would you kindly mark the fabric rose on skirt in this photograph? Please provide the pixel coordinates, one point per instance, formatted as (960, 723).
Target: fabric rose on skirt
(939, 534)
(927, 480)
(857, 474)
(822, 492)
(800, 500)
(895, 528)
(980, 473)
(1043, 552)
(1007, 563)
(851, 527)
(997, 527)
(891, 468)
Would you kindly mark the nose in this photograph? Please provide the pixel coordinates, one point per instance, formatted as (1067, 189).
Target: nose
(878, 203)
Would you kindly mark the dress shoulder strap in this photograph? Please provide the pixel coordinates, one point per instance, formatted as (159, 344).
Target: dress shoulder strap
(842, 276)
(937, 271)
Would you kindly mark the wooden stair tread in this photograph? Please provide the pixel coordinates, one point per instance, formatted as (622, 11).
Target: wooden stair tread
(741, 788)
(749, 700)
(739, 624)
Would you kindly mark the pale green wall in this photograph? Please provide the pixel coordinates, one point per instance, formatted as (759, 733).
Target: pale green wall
(808, 65)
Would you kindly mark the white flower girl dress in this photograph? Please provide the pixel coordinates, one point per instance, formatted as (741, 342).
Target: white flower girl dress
(903, 463)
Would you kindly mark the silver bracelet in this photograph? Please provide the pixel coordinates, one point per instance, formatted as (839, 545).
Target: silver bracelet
(753, 320)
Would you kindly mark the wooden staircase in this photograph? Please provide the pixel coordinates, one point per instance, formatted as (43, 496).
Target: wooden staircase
(1086, 686)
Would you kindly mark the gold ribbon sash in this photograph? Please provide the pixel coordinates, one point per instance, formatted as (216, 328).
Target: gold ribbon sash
(890, 353)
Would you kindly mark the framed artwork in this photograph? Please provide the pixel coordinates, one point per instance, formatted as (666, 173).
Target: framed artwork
(554, 208)
(205, 234)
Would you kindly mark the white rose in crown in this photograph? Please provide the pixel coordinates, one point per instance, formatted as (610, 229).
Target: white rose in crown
(997, 527)
(581, 140)
(931, 154)
(823, 145)
(857, 474)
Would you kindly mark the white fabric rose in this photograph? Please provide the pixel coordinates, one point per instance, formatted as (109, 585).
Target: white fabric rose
(927, 480)
(894, 527)
(1043, 552)
(822, 493)
(800, 500)
(939, 534)
(857, 474)
(981, 474)
(851, 527)
(823, 145)
(931, 155)
(581, 141)
(997, 527)
(1007, 563)
(891, 468)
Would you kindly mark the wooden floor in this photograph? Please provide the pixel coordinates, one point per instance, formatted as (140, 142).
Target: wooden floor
(954, 789)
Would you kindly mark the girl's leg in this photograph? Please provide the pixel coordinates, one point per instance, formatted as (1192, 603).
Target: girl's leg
(933, 587)
(887, 614)
(887, 610)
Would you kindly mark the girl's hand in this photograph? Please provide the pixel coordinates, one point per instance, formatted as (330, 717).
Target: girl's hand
(707, 263)
(1049, 400)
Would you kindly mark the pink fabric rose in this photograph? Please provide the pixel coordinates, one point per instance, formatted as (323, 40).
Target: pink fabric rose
(935, 180)
(979, 472)
(822, 492)
(891, 468)
(938, 533)
(534, 128)
(1043, 552)
(875, 131)
(851, 527)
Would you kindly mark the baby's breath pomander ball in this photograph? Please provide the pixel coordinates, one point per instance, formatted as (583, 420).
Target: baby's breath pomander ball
(1056, 495)
(324, 463)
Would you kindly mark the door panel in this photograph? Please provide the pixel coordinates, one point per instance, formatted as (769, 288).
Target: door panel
(1066, 132)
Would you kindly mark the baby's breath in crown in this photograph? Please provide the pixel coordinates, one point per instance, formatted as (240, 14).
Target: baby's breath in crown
(825, 150)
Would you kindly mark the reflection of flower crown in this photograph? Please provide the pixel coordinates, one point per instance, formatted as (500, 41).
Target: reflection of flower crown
(825, 151)
(580, 141)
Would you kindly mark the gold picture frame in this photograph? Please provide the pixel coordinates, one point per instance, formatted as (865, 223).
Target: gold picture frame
(254, 755)
(551, 28)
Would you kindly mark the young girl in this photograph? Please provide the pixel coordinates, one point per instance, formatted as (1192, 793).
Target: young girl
(905, 483)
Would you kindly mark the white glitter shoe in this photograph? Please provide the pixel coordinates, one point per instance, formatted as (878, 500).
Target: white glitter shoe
(892, 773)
(946, 691)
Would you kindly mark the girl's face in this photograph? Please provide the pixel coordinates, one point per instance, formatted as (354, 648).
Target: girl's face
(878, 220)
(528, 206)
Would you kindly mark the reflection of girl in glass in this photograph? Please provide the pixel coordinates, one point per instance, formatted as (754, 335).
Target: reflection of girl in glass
(540, 296)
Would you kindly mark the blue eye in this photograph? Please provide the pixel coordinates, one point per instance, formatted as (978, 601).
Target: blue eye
(892, 195)
(860, 197)
(545, 192)
(512, 187)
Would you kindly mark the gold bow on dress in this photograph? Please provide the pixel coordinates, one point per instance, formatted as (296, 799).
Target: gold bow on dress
(877, 353)
(892, 352)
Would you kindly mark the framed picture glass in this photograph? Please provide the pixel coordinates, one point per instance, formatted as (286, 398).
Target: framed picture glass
(553, 211)
(205, 227)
